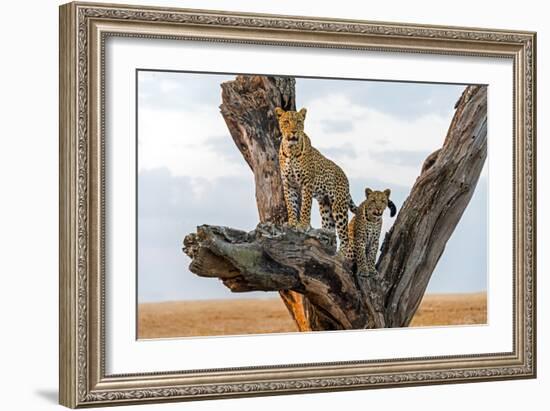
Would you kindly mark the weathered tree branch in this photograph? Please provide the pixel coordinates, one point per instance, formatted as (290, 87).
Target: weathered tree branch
(275, 258)
(318, 286)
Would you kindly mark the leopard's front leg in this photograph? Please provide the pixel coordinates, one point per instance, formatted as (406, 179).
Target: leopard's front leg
(360, 254)
(292, 200)
(340, 215)
(305, 210)
(371, 253)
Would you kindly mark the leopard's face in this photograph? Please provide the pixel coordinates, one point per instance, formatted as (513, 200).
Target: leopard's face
(376, 203)
(291, 124)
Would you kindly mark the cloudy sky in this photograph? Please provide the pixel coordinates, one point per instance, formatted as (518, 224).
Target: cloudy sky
(190, 172)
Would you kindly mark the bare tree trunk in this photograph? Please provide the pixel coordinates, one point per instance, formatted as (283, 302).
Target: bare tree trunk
(247, 108)
(318, 286)
(434, 207)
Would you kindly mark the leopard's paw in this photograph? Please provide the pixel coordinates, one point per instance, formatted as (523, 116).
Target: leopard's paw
(303, 227)
(373, 274)
(290, 224)
(363, 274)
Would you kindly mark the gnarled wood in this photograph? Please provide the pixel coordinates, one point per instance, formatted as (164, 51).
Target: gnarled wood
(247, 107)
(275, 258)
(434, 207)
(317, 285)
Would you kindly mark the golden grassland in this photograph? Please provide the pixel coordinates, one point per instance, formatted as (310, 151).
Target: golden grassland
(260, 316)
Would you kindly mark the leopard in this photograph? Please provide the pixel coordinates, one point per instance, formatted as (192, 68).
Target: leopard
(308, 174)
(364, 231)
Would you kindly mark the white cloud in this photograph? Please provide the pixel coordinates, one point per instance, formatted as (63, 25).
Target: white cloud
(184, 142)
(373, 133)
(166, 85)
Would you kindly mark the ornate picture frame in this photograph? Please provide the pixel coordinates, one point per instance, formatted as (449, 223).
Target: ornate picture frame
(84, 29)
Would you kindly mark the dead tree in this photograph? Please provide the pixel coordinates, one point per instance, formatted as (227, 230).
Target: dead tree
(318, 286)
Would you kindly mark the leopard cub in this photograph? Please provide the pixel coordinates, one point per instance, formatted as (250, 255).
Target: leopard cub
(364, 230)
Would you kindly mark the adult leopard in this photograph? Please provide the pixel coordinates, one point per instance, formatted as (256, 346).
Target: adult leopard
(307, 174)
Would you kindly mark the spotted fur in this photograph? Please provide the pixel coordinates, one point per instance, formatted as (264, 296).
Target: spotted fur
(307, 174)
(364, 230)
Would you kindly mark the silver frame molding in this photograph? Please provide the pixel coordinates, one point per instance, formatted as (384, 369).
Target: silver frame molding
(83, 30)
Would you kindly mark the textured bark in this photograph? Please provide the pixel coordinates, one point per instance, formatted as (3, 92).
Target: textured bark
(247, 108)
(434, 207)
(319, 287)
(275, 258)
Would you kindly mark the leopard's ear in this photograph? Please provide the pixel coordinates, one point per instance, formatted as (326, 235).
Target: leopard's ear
(367, 192)
(303, 112)
(279, 112)
(387, 192)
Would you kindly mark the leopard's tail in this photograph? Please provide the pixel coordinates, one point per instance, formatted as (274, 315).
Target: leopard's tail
(351, 205)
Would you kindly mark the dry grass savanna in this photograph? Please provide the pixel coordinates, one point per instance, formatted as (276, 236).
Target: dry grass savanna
(261, 316)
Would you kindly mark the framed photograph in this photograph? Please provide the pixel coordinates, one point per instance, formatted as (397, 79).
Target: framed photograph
(261, 204)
